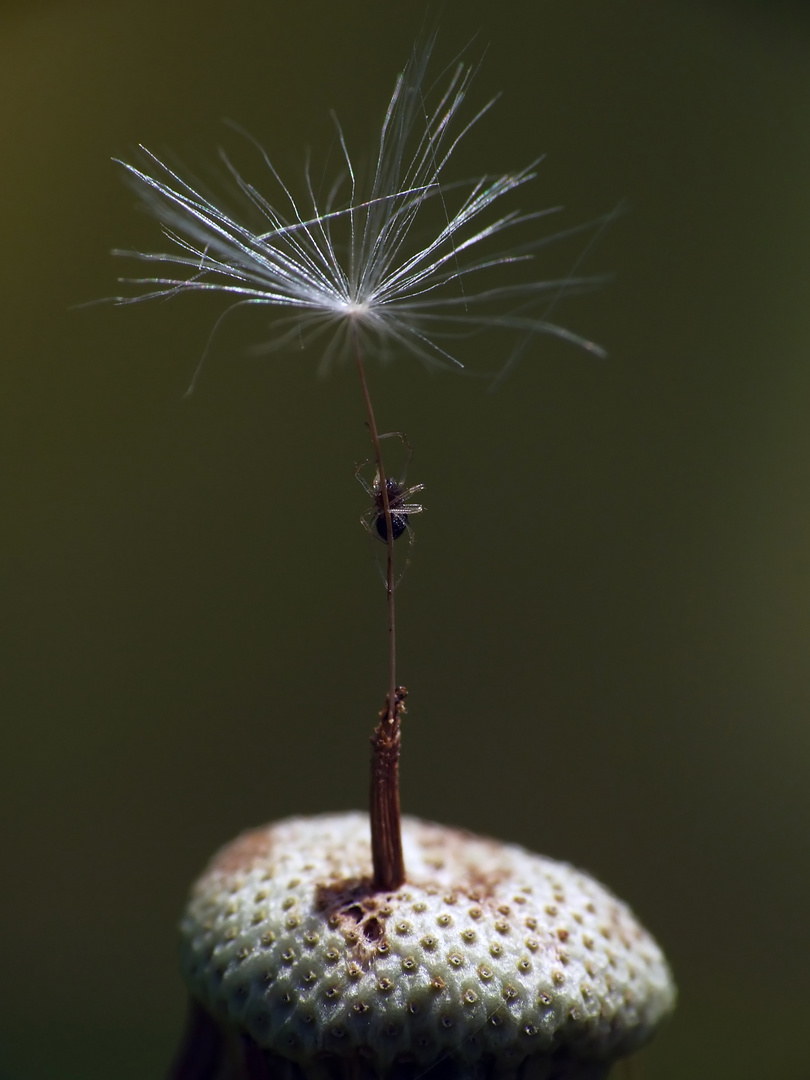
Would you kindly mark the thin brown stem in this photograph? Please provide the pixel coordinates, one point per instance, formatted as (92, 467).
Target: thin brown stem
(386, 839)
(389, 533)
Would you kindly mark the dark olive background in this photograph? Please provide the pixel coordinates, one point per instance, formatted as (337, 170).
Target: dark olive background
(605, 626)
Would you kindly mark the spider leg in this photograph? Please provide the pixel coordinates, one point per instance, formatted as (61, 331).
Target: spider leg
(408, 493)
(398, 435)
(408, 448)
(367, 521)
(361, 480)
(411, 541)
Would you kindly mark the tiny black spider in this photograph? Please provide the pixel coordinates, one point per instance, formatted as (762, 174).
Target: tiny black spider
(373, 520)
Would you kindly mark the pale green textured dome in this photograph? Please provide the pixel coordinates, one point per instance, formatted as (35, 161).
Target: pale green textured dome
(487, 954)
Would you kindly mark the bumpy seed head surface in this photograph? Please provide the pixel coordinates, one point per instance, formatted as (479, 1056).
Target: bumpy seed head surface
(487, 952)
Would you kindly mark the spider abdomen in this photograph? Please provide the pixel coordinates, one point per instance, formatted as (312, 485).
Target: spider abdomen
(399, 521)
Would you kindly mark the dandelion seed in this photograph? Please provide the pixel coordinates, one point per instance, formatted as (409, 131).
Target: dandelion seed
(349, 269)
(402, 264)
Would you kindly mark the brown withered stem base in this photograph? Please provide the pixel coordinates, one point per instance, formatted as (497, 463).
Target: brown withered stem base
(386, 833)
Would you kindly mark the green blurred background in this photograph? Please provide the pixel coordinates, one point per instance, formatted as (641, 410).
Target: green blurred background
(605, 626)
